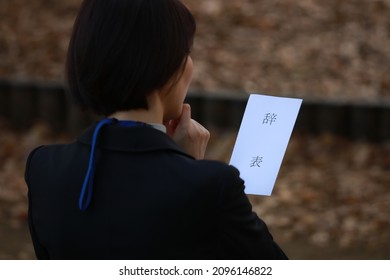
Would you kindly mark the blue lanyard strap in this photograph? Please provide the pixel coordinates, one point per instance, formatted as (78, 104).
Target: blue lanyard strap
(86, 190)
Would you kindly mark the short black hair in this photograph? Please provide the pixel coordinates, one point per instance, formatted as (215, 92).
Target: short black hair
(120, 51)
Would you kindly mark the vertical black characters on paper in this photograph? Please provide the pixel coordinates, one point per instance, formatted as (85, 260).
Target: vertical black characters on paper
(256, 161)
(270, 118)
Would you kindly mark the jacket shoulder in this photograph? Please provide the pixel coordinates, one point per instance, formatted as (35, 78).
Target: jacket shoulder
(45, 156)
(29, 161)
(226, 177)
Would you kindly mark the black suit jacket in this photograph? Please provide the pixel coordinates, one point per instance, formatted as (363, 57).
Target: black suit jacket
(150, 201)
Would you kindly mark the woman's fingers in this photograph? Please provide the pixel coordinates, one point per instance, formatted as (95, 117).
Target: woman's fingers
(189, 134)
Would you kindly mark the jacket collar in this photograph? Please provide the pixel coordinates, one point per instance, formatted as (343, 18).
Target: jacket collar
(136, 139)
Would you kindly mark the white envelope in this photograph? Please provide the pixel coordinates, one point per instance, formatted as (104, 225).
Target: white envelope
(262, 140)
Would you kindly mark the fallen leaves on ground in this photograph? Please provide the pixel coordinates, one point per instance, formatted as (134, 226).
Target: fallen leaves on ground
(309, 48)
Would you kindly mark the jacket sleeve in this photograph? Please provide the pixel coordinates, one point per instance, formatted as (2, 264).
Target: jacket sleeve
(243, 235)
(40, 251)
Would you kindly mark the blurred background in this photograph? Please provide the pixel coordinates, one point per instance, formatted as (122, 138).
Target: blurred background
(332, 196)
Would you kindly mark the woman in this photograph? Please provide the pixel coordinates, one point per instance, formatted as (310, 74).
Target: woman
(135, 185)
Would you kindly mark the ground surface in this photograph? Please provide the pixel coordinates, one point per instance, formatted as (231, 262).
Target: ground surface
(311, 48)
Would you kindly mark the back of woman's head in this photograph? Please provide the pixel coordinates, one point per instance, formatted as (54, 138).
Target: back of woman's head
(123, 50)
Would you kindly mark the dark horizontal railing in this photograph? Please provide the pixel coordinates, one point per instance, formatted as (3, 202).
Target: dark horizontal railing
(24, 103)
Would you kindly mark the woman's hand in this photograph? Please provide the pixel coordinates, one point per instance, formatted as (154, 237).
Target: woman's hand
(188, 133)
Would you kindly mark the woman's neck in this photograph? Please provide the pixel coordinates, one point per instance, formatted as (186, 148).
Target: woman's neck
(153, 115)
